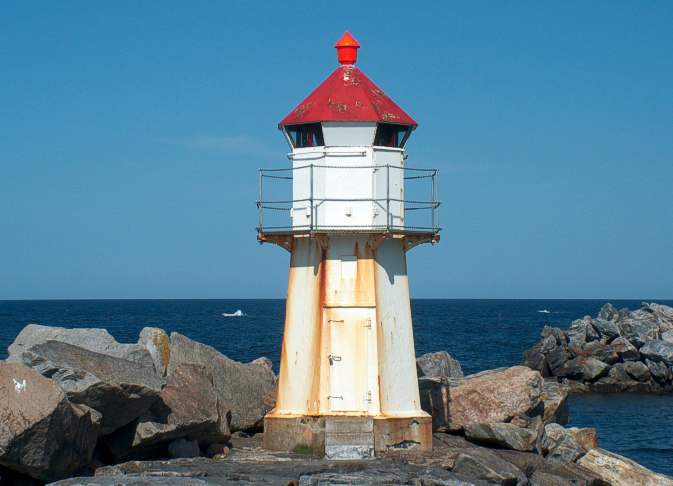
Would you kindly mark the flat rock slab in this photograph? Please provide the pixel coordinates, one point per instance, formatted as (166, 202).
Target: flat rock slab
(249, 463)
(620, 471)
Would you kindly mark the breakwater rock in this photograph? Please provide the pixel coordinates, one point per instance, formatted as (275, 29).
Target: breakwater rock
(202, 426)
(617, 351)
(70, 397)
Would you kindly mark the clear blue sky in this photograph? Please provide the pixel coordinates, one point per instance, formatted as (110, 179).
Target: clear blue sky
(131, 134)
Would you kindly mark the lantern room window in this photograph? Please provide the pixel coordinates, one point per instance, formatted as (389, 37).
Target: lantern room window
(306, 135)
(391, 135)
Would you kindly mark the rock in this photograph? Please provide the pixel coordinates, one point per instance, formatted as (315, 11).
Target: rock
(118, 380)
(438, 365)
(558, 334)
(606, 329)
(625, 350)
(620, 471)
(637, 370)
(587, 437)
(658, 350)
(578, 475)
(247, 390)
(485, 465)
(508, 435)
(184, 448)
(609, 313)
(540, 478)
(96, 340)
(557, 358)
(577, 337)
(42, 434)
(594, 369)
(601, 350)
(535, 360)
(660, 371)
(555, 398)
(667, 336)
(186, 408)
(639, 332)
(548, 344)
(486, 397)
(561, 447)
(158, 344)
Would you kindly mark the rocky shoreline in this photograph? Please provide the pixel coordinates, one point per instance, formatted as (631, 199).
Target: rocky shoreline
(169, 410)
(617, 351)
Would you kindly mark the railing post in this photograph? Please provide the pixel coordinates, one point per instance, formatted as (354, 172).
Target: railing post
(388, 198)
(311, 200)
(432, 199)
(260, 201)
(435, 218)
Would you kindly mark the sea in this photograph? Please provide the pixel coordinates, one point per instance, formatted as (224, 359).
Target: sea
(480, 334)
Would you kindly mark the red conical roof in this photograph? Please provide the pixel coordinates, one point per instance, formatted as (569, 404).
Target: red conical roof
(347, 95)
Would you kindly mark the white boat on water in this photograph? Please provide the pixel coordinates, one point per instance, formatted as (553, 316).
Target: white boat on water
(238, 313)
(544, 311)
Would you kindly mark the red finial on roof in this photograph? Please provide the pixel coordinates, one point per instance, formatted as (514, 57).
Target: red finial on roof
(347, 49)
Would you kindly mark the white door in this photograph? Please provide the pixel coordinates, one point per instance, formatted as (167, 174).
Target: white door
(350, 335)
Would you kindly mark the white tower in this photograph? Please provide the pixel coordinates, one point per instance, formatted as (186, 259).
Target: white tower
(347, 376)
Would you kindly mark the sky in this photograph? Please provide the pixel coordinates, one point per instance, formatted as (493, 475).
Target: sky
(131, 134)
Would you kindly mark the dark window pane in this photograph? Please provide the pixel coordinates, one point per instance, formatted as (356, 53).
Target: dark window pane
(390, 135)
(306, 135)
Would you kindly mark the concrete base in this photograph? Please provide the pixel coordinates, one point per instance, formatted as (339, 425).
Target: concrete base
(347, 437)
(391, 434)
(289, 432)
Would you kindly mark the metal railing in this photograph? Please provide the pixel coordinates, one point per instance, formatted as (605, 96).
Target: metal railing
(383, 201)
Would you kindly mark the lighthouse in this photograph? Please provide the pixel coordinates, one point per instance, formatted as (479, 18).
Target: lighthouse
(347, 381)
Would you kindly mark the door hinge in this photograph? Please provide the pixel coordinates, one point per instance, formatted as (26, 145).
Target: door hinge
(368, 322)
(369, 396)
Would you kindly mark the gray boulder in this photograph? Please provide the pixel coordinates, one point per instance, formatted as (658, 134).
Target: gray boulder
(438, 365)
(557, 358)
(660, 371)
(42, 434)
(606, 329)
(248, 391)
(560, 446)
(118, 380)
(667, 336)
(658, 350)
(638, 370)
(525, 439)
(609, 313)
(594, 369)
(186, 409)
(490, 396)
(639, 331)
(625, 350)
(96, 340)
